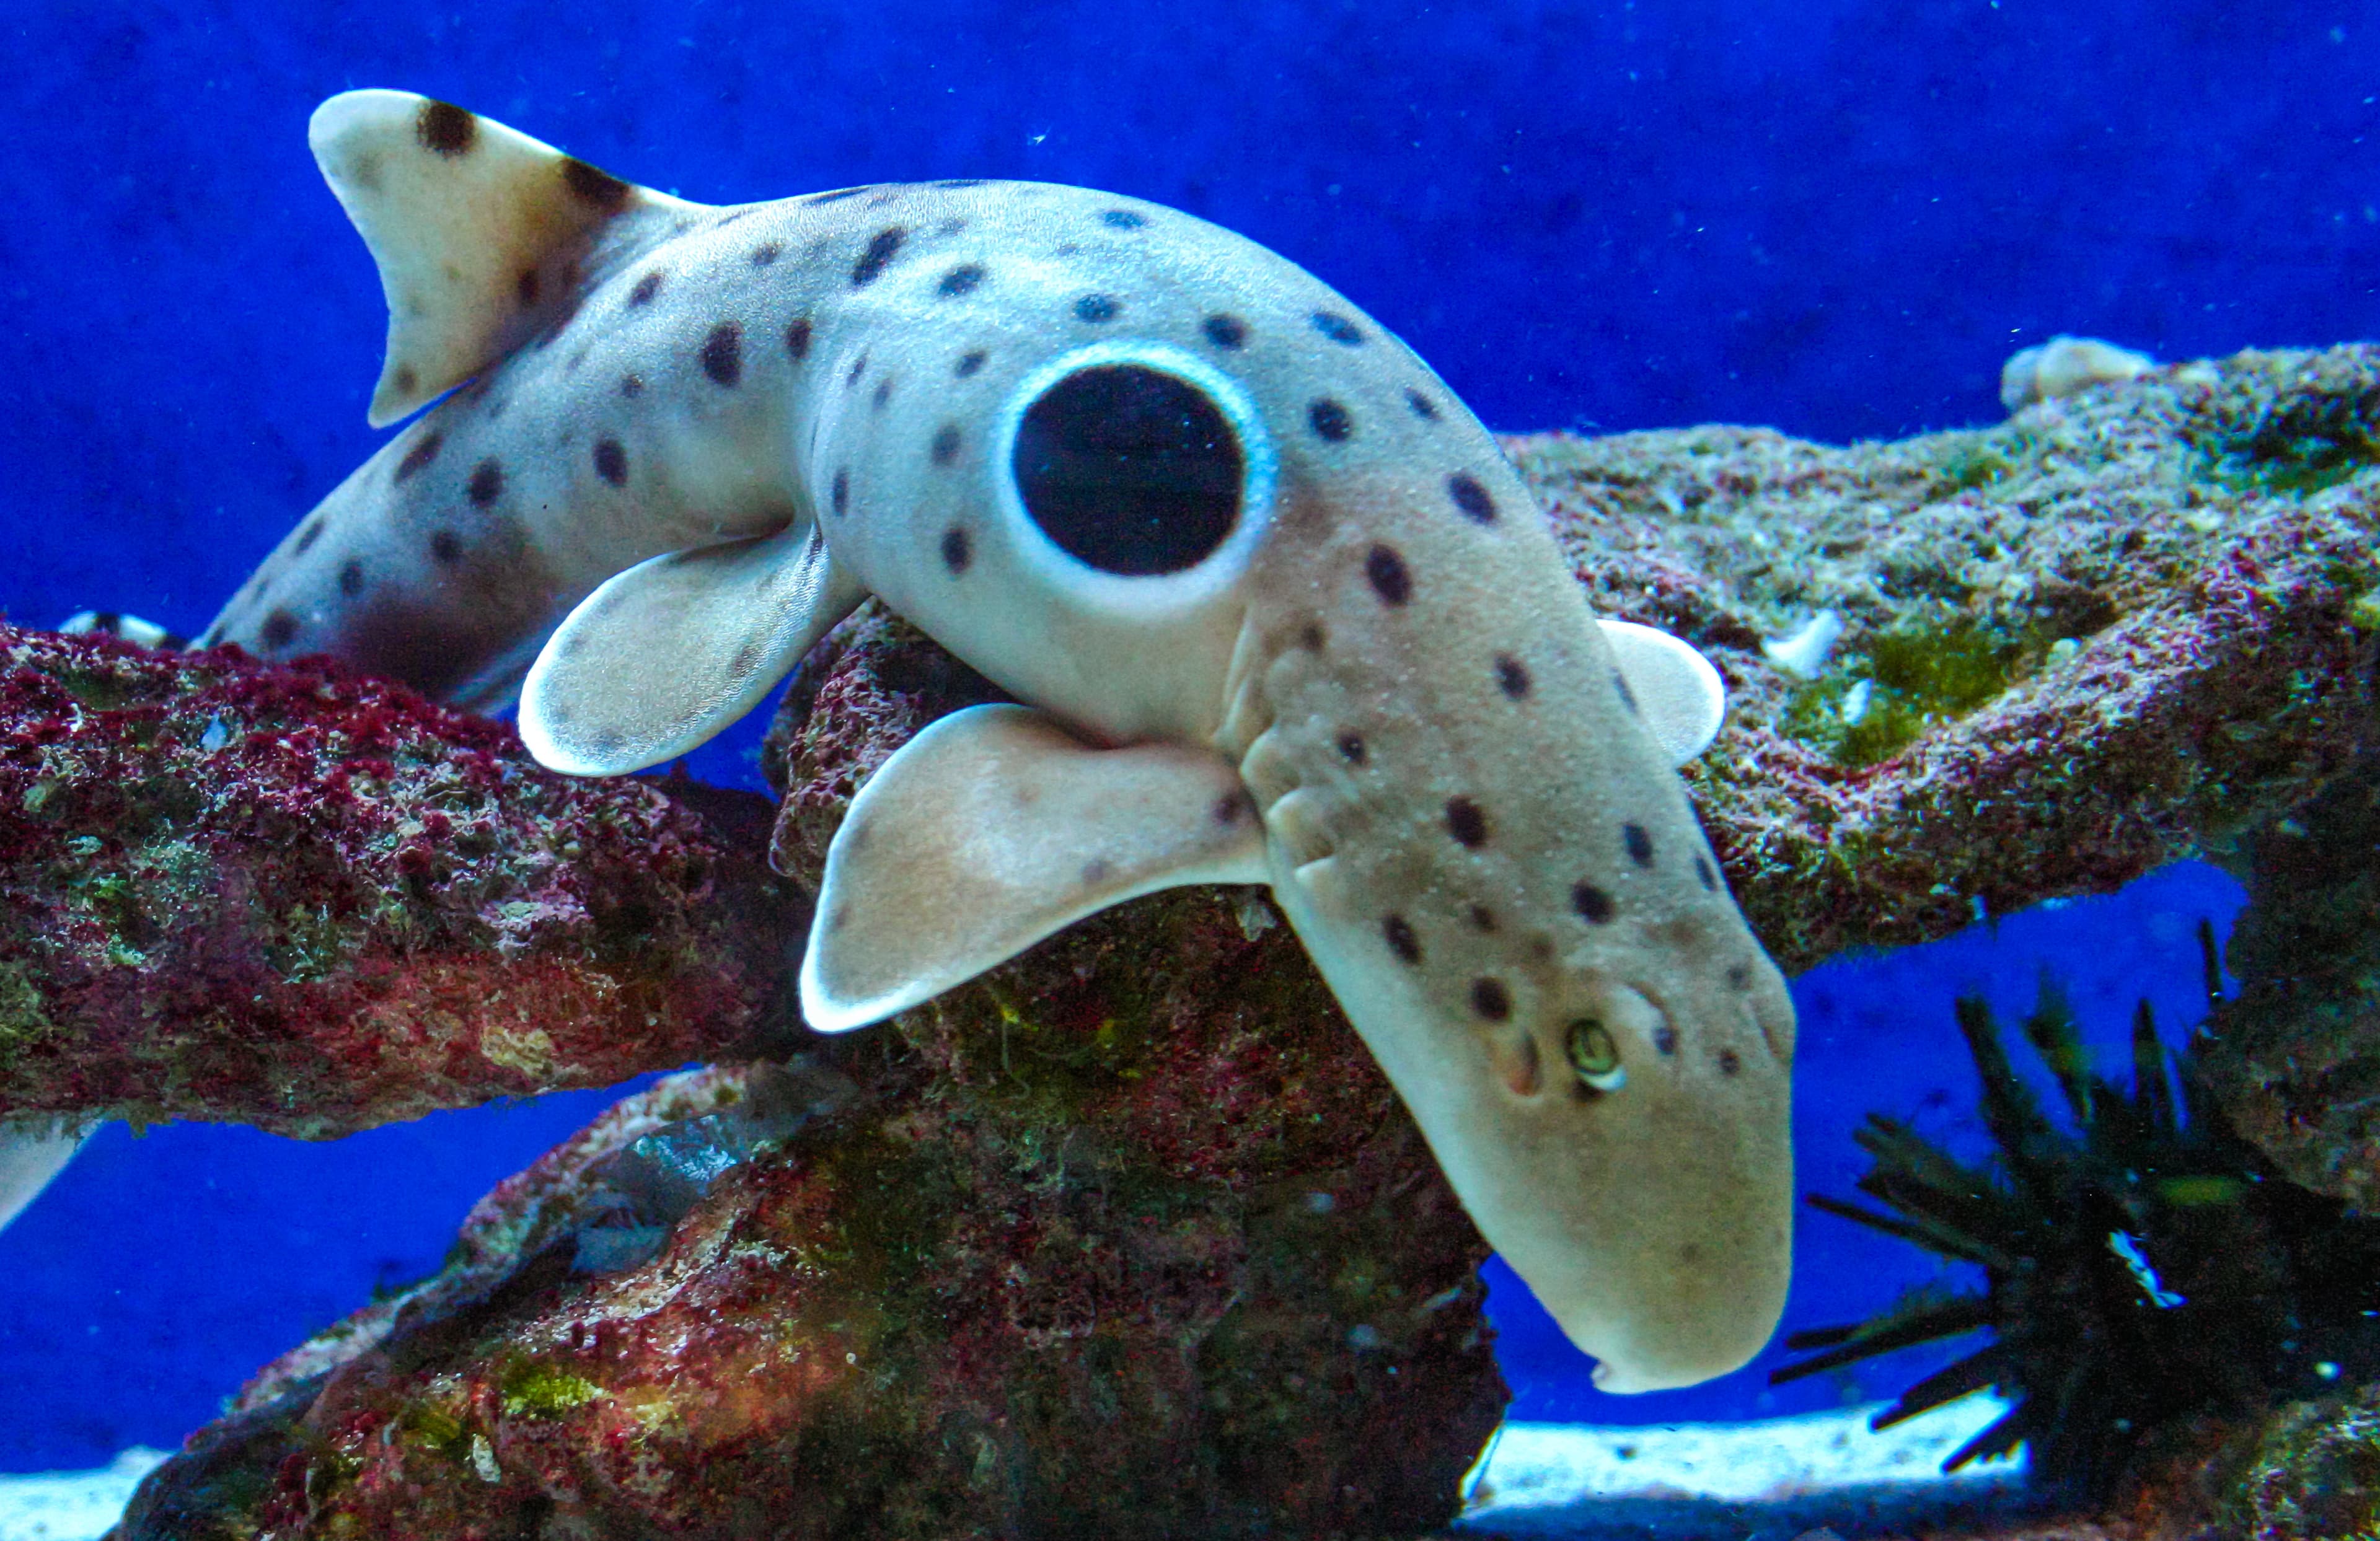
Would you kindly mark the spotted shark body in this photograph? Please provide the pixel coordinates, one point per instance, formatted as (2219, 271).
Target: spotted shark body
(1279, 611)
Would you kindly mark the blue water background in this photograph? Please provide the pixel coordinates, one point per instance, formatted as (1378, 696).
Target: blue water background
(1834, 216)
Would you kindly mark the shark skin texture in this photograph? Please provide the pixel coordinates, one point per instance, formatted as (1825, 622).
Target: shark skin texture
(1273, 605)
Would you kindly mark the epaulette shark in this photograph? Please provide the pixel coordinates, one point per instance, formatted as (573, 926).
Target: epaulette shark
(1278, 610)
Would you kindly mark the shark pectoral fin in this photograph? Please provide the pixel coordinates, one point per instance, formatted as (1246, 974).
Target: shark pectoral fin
(480, 231)
(1675, 688)
(669, 652)
(995, 827)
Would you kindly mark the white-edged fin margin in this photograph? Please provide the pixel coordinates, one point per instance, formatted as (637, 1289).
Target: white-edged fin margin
(667, 653)
(477, 230)
(1677, 689)
(993, 828)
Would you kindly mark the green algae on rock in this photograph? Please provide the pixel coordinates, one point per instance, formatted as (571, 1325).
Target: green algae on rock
(2180, 654)
(312, 903)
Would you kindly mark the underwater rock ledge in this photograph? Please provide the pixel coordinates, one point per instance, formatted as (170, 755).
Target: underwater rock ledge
(2117, 629)
(298, 899)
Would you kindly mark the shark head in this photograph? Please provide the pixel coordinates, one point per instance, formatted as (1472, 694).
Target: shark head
(1272, 606)
(1474, 824)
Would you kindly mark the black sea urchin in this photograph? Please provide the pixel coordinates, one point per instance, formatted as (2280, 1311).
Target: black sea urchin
(2147, 1265)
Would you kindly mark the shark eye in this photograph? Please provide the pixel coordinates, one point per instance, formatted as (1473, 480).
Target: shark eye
(1129, 470)
(1588, 1047)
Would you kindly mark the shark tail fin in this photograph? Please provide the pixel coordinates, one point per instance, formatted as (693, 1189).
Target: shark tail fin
(480, 232)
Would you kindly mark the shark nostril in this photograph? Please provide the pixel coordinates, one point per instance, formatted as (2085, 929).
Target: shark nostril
(1520, 1067)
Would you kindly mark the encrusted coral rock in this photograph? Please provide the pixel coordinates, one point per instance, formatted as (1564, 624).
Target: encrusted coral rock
(2296, 1056)
(2314, 1473)
(2115, 631)
(1131, 1241)
(314, 902)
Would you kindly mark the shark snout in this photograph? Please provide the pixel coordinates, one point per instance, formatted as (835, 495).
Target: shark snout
(1661, 1235)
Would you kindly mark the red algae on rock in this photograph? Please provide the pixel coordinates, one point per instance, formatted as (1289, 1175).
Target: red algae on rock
(294, 898)
(1018, 1274)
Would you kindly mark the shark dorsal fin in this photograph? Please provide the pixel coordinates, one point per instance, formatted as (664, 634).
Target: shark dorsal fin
(667, 653)
(478, 231)
(1675, 690)
(995, 827)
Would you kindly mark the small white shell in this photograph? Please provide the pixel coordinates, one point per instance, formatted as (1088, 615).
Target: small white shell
(2064, 365)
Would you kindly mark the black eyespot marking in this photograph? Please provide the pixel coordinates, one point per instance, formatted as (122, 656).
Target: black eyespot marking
(1401, 938)
(1095, 307)
(487, 484)
(1482, 918)
(1491, 1000)
(1705, 876)
(1639, 843)
(1465, 823)
(1338, 328)
(1627, 697)
(1353, 749)
(881, 248)
(308, 535)
(841, 494)
(1665, 1038)
(1387, 572)
(1228, 331)
(1593, 905)
(1312, 638)
(446, 548)
(884, 392)
(279, 628)
(1330, 420)
(1129, 470)
(524, 287)
(960, 280)
(957, 549)
(1739, 977)
(445, 129)
(612, 462)
(797, 338)
(968, 363)
(647, 286)
(858, 368)
(351, 577)
(1728, 1065)
(946, 444)
(722, 354)
(1122, 219)
(1422, 407)
(1470, 498)
(406, 379)
(632, 386)
(600, 190)
(766, 253)
(1511, 676)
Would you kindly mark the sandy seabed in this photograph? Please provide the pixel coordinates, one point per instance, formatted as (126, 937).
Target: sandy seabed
(1571, 1482)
